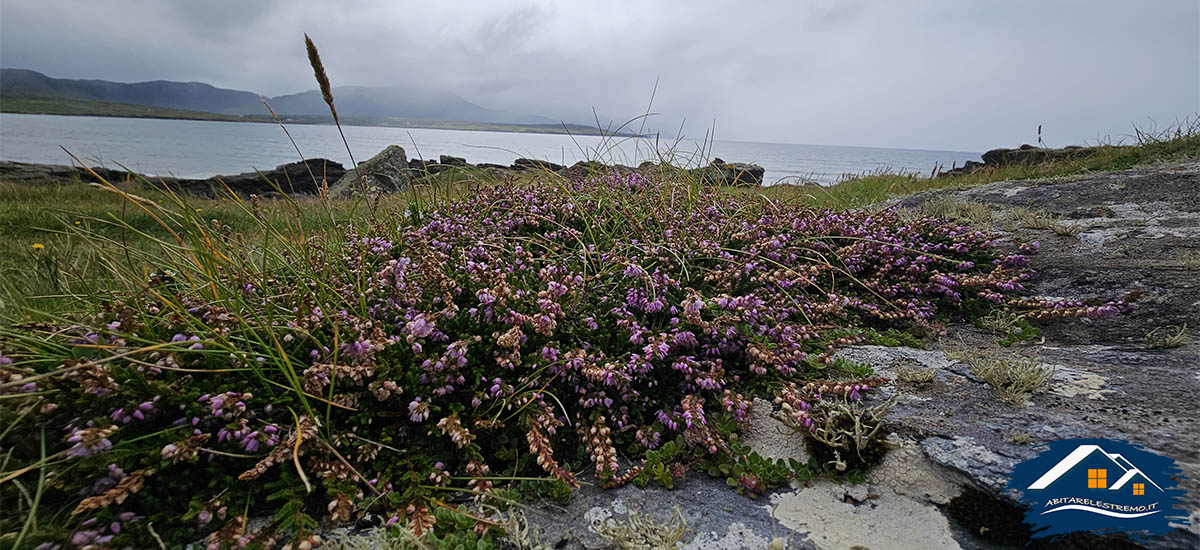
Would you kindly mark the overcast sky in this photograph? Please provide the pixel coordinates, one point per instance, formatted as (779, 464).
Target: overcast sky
(954, 75)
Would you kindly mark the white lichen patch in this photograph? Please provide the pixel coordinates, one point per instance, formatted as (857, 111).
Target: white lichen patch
(770, 437)
(737, 537)
(1014, 190)
(1072, 382)
(1100, 237)
(598, 515)
(902, 492)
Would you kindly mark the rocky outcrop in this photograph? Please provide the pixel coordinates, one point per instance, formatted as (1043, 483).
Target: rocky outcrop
(588, 168)
(1102, 237)
(534, 164)
(29, 173)
(386, 172)
(1023, 155)
(719, 172)
(1028, 154)
(302, 178)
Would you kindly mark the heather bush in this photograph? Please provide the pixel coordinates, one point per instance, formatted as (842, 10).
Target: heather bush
(380, 369)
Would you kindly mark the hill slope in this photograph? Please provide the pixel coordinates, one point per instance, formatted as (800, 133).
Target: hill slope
(191, 96)
(389, 102)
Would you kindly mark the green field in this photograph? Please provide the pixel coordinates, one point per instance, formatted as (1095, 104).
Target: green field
(42, 105)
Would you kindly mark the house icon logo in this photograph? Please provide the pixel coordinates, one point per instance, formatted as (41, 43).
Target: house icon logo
(1101, 486)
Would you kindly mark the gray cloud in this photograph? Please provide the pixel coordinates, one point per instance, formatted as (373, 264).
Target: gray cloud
(947, 75)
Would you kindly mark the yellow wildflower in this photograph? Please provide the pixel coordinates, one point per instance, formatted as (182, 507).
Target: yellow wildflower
(38, 246)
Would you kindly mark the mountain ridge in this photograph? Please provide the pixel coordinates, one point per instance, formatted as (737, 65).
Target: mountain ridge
(386, 102)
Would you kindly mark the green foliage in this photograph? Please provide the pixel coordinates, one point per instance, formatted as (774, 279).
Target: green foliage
(455, 531)
(538, 489)
(817, 368)
(1021, 331)
(740, 466)
(750, 473)
(288, 493)
(892, 337)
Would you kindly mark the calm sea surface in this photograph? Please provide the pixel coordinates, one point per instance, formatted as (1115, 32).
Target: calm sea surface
(195, 149)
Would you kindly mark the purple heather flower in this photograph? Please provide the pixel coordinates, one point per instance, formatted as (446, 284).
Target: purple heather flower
(84, 538)
(686, 340)
(87, 442)
(419, 327)
(418, 411)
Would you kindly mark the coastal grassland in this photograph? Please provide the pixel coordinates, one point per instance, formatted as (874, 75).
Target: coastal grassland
(1180, 142)
(64, 242)
(66, 265)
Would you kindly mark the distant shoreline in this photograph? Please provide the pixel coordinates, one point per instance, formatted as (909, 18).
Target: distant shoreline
(34, 105)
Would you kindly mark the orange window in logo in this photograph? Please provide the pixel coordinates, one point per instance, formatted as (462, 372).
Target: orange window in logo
(1139, 488)
(1097, 479)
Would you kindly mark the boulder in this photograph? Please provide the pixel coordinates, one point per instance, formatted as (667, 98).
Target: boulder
(967, 168)
(437, 168)
(452, 161)
(386, 172)
(1028, 154)
(585, 168)
(291, 178)
(524, 164)
(719, 172)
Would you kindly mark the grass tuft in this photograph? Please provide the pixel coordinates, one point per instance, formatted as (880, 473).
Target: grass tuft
(1167, 337)
(1043, 220)
(1010, 376)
